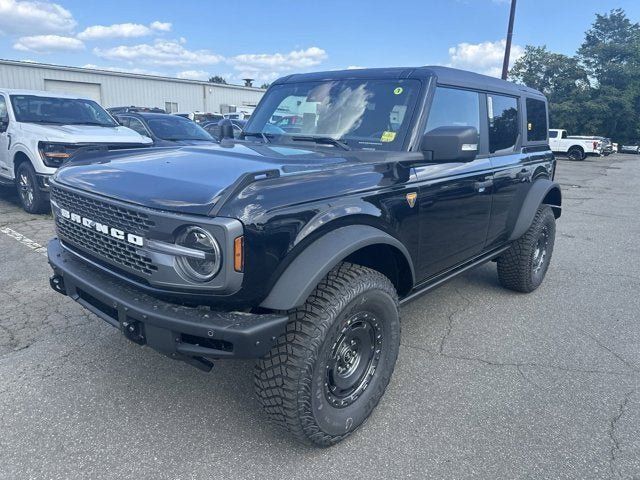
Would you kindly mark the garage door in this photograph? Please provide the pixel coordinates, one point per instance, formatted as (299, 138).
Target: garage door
(88, 90)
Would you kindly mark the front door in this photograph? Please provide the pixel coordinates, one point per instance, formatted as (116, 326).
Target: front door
(454, 197)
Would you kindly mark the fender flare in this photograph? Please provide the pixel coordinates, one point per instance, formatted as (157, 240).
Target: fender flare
(307, 270)
(535, 197)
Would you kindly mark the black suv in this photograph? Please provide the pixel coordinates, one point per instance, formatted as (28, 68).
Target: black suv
(165, 130)
(298, 248)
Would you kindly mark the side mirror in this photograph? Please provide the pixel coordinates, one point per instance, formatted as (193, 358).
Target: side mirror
(4, 124)
(226, 129)
(448, 144)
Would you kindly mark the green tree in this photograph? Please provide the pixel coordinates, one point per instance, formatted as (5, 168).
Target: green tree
(217, 79)
(265, 85)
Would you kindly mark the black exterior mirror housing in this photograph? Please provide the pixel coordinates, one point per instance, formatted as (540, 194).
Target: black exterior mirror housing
(447, 144)
(226, 129)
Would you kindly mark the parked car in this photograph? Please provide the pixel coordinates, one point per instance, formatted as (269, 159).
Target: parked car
(39, 131)
(165, 130)
(237, 116)
(213, 128)
(297, 249)
(132, 109)
(575, 148)
(201, 117)
(606, 144)
(630, 149)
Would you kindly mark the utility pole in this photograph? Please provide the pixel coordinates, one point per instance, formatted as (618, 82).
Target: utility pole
(507, 47)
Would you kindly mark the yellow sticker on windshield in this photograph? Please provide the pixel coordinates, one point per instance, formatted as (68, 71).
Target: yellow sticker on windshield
(388, 136)
(398, 91)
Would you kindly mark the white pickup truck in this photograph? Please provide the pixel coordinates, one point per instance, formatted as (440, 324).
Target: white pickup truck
(39, 131)
(574, 147)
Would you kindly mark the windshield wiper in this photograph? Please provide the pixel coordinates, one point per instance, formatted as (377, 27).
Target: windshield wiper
(321, 140)
(257, 134)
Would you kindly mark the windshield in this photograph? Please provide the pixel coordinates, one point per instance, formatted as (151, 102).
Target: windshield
(365, 113)
(177, 128)
(60, 111)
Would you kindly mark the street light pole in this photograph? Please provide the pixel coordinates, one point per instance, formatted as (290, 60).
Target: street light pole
(507, 47)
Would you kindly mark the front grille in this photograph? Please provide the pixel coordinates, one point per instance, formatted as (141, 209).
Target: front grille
(103, 212)
(110, 249)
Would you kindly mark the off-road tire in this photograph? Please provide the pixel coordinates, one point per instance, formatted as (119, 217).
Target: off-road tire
(519, 268)
(291, 380)
(32, 198)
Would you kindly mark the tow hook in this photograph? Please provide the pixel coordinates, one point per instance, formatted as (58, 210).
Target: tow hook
(57, 283)
(133, 331)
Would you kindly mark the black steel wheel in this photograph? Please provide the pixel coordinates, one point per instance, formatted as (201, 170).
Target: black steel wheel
(32, 198)
(330, 369)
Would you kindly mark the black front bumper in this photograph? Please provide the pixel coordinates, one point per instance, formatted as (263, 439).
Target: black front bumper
(186, 333)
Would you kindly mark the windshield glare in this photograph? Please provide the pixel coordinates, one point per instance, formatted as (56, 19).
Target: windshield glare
(373, 114)
(63, 111)
(177, 128)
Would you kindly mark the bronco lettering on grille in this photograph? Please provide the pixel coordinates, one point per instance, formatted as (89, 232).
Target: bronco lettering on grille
(102, 228)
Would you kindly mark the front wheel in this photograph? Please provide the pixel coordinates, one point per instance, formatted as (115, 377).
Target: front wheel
(523, 267)
(33, 199)
(330, 368)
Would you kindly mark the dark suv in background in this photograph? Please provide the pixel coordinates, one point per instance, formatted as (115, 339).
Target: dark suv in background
(164, 129)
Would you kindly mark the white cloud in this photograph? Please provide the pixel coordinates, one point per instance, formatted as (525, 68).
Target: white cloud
(161, 26)
(34, 17)
(484, 57)
(123, 30)
(48, 43)
(194, 75)
(161, 52)
(265, 66)
(355, 67)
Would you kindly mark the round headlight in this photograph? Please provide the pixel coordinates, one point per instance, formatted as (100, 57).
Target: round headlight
(199, 267)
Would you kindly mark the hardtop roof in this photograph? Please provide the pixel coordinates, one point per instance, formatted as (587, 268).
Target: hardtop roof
(443, 75)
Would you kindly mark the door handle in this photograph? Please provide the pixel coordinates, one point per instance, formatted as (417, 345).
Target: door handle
(482, 186)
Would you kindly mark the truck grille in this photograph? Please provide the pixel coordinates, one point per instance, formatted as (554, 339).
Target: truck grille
(101, 246)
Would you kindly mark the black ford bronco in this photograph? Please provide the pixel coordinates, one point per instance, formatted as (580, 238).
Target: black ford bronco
(348, 194)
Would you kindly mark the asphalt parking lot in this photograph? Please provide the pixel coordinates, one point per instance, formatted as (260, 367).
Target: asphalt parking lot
(489, 383)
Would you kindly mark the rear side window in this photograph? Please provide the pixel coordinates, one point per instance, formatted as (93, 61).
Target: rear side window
(3, 108)
(503, 123)
(553, 134)
(452, 107)
(536, 120)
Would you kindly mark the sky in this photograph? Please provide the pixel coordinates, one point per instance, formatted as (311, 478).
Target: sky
(267, 39)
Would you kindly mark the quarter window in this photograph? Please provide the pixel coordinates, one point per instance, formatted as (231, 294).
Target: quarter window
(452, 107)
(137, 125)
(503, 123)
(553, 134)
(536, 120)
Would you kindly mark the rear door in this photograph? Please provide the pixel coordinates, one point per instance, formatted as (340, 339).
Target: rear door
(554, 140)
(454, 197)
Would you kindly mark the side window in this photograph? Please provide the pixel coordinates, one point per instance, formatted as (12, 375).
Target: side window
(503, 122)
(452, 107)
(536, 120)
(137, 125)
(124, 121)
(4, 115)
(553, 134)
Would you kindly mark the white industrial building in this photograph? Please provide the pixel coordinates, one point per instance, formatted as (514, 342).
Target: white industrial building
(118, 89)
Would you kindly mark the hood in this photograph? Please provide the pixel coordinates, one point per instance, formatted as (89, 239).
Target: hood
(188, 179)
(85, 133)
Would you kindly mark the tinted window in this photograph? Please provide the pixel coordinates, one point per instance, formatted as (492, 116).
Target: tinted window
(536, 120)
(553, 134)
(172, 127)
(452, 107)
(503, 122)
(137, 125)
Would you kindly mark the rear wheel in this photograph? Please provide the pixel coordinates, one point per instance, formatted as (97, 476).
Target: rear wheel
(33, 199)
(330, 369)
(576, 153)
(523, 267)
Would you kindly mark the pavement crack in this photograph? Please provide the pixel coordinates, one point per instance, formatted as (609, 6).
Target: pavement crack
(453, 314)
(619, 357)
(615, 441)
